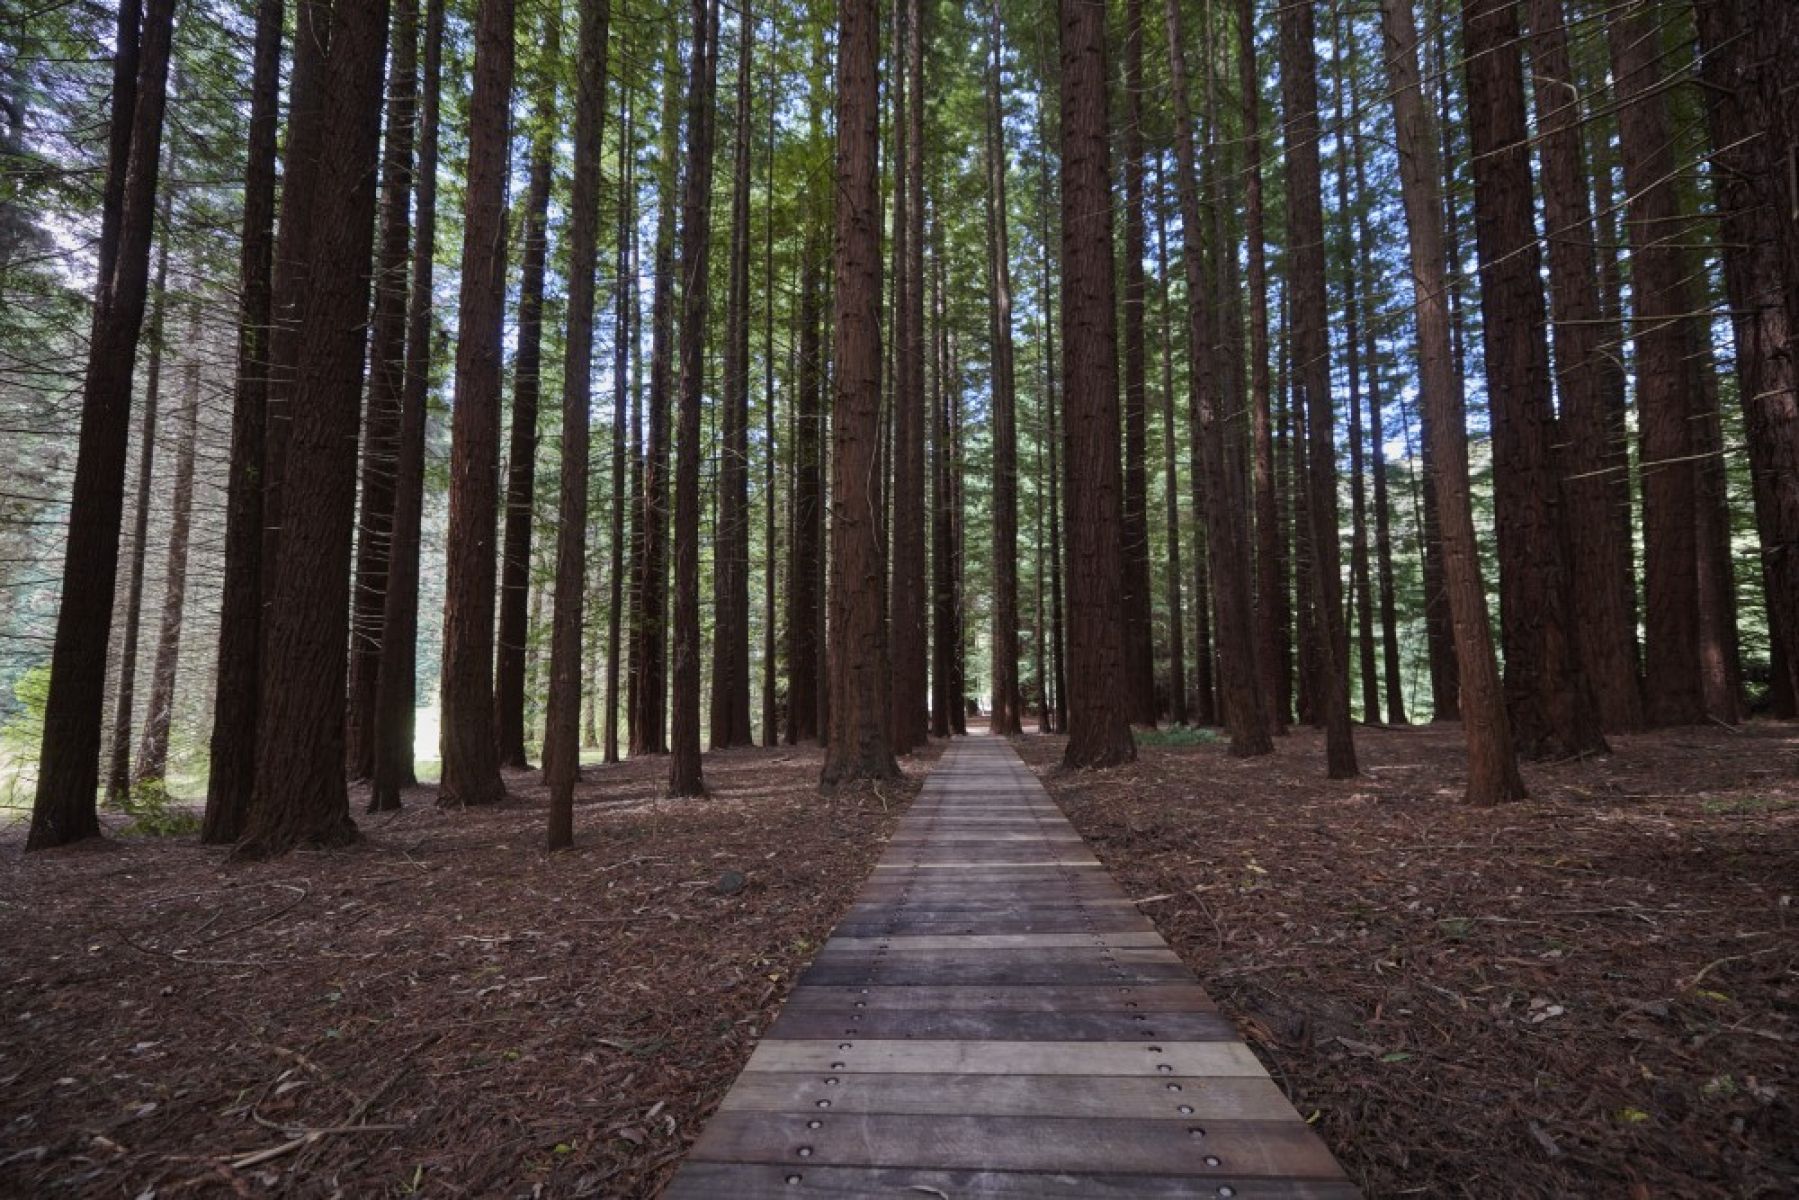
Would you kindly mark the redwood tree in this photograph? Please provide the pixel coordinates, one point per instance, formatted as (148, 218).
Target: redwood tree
(299, 797)
(1099, 728)
(471, 763)
(684, 778)
(858, 745)
(69, 763)
(1006, 696)
(1309, 333)
(521, 452)
(1139, 646)
(1492, 764)
(397, 684)
(561, 750)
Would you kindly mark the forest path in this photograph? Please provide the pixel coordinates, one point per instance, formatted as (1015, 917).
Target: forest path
(995, 1018)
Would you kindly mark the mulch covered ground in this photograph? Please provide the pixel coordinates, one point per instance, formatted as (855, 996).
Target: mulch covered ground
(444, 1010)
(1592, 993)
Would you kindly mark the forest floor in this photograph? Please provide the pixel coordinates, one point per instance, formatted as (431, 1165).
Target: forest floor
(1591, 993)
(442, 1010)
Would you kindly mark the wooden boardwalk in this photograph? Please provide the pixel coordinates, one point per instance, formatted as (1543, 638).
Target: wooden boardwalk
(995, 1018)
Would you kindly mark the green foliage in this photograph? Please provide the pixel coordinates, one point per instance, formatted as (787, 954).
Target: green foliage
(155, 813)
(1179, 735)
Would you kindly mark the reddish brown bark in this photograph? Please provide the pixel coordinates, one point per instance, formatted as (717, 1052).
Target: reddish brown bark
(1099, 730)
(858, 745)
(1177, 640)
(684, 775)
(1546, 696)
(69, 761)
(237, 681)
(1598, 557)
(1492, 764)
(1224, 511)
(387, 381)
(561, 748)
(909, 608)
(1743, 63)
(1139, 646)
(471, 761)
(730, 698)
(159, 713)
(300, 797)
(118, 775)
(1006, 698)
(1311, 373)
(397, 683)
(521, 451)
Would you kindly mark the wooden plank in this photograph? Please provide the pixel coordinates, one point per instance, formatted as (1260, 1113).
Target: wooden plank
(1145, 939)
(1137, 1059)
(1216, 1149)
(1064, 1026)
(1238, 1098)
(995, 973)
(1165, 997)
(760, 1181)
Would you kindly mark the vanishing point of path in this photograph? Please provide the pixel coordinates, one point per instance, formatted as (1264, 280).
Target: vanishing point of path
(995, 1018)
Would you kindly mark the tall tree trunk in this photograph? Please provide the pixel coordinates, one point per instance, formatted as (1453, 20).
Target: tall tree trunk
(730, 709)
(153, 751)
(1359, 575)
(1740, 57)
(471, 760)
(561, 746)
(127, 53)
(1099, 709)
(1377, 445)
(300, 798)
(237, 684)
(1546, 695)
(858, 745)
(684, 777)
(1597, 556)
(69, 762)
(1227, 535)
(1311, 371)
(396, 688)
(624, 333)
(1673, 680)
(1006, 696)
(118, 778)
(1139, 642)
(527, 388)
(943, 594)
(1438, 620)
(387, 382)
(294, 261)
(649, 727)
(1177, 642)
(1053, 423)
(771, 735)
(1492, 764)
(1272, 613)
(909, 611)
(803, 575)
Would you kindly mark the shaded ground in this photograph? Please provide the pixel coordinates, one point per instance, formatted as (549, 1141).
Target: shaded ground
(1593, 993)
(444, 1010)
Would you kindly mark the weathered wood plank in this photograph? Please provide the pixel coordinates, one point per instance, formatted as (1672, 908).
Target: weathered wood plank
(1005, 1026)
(1237, 1098)
(1166, 997)
(1214, 1149)
(1145, 1059)
(759, 1181)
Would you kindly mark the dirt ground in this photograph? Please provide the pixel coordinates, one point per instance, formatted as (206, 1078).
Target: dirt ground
(444, 1010)
(1591, 993)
